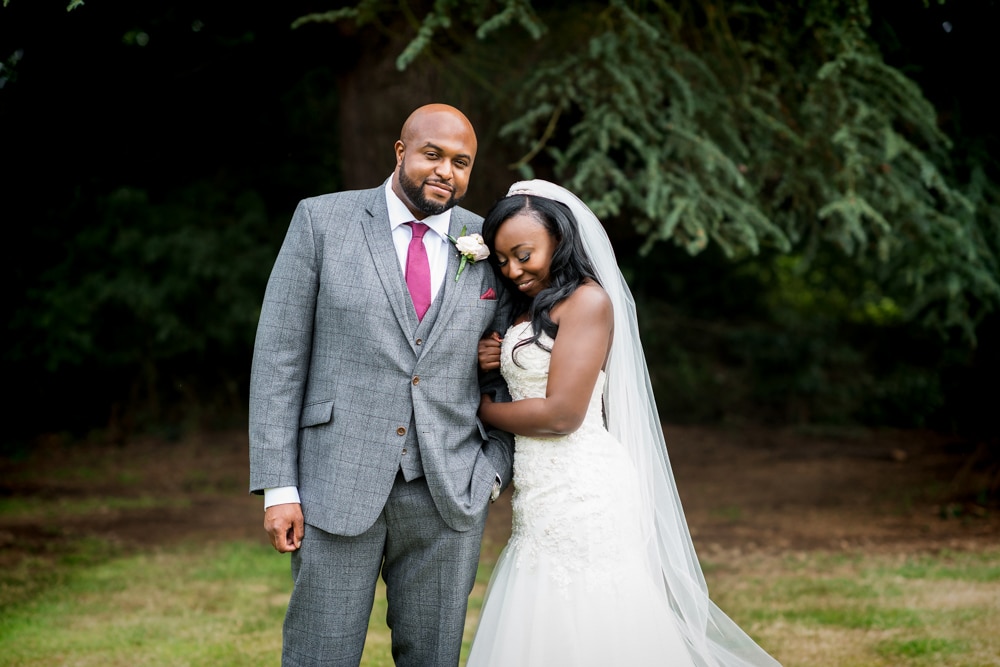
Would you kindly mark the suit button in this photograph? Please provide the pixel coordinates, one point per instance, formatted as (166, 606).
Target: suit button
(420, 341)
(401, 431)
(404, 450)
(416, 379)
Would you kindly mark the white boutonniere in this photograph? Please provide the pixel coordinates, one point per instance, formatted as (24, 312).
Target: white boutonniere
(471, 248)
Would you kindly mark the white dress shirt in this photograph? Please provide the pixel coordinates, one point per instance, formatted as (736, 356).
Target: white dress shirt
(437, 246)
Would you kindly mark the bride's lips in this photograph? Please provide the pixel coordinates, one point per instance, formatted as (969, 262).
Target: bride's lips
(525, 285)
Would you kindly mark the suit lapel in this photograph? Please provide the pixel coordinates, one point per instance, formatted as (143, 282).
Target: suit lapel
(383, 252)
(451, 290)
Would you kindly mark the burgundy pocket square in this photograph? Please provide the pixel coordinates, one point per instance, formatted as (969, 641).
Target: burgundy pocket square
(489, 295)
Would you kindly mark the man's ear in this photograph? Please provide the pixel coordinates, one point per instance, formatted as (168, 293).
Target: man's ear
(400, 149)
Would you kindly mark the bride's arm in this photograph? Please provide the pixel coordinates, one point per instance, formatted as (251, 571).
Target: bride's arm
(578, 353)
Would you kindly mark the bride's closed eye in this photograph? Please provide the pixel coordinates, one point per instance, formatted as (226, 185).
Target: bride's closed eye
(525, 258)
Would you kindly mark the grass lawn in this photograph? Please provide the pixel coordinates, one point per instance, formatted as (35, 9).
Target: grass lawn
(151, 554)
(222, 604)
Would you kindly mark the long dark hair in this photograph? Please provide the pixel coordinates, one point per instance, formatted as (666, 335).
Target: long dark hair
(569, 268)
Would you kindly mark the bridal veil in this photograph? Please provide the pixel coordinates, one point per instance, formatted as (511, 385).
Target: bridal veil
(712, 637)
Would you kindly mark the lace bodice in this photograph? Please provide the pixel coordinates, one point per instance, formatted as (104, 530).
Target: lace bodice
(573, 501)
(528, 376)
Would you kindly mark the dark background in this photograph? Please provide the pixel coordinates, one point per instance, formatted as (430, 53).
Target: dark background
(152, 154)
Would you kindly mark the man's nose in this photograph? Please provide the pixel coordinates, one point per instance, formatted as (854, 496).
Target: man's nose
(444, 170)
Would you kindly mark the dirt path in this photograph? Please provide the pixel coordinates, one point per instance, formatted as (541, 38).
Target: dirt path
(743, 490)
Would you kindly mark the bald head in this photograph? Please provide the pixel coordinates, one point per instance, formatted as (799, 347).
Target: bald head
(438, 118)
(434, 157)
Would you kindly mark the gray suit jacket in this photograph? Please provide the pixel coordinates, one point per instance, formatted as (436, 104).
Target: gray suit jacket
(338, 371)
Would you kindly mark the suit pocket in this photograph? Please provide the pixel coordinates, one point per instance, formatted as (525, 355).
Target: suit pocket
(316, 413)
(487, 304)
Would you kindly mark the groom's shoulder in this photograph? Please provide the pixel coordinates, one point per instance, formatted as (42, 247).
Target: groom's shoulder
(333, 199)
(467, 218)
(340, 207)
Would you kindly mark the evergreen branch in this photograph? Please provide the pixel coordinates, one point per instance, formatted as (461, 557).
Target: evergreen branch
(329, 17)
(542, 140)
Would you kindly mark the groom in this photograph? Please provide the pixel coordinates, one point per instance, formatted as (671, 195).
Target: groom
(364, 438)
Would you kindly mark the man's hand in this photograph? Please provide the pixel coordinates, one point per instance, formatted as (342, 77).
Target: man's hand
(489, 352)
(284, 525)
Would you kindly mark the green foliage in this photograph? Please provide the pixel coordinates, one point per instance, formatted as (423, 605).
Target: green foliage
(776, 339)
(750, 125)
(73, 4)
(145, 270)
(644, 144)
(143, 243)
(444, 15)
(710, 131)
(175, 281)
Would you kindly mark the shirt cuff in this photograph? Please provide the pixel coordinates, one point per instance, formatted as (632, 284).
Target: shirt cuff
(281, 495)
(497, 484)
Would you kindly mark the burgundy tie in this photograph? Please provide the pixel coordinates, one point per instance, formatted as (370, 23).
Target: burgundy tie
(418, 270)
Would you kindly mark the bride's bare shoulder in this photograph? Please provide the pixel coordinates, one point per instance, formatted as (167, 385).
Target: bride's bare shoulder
(588, 302)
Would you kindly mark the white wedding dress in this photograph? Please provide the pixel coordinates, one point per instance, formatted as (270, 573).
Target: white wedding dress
(573, 586)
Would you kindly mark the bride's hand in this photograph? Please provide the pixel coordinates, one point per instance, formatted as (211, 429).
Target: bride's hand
(489, 352)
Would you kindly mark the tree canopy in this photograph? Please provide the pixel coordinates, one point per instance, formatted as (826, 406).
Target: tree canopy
(749, 125)
(811, 185)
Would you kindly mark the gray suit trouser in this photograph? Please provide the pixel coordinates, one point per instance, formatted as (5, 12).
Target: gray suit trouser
(429, 570)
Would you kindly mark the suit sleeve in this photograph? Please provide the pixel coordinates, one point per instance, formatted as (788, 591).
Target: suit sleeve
(500, 448)
(282, 351)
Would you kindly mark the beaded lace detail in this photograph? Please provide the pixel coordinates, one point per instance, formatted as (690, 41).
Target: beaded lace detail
(573, 505)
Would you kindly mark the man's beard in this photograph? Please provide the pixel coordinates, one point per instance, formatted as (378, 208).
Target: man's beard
(415, 193)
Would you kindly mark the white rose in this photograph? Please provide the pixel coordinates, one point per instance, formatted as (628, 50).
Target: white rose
(473, 247)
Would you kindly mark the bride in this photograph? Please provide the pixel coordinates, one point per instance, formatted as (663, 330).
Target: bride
(600, 569)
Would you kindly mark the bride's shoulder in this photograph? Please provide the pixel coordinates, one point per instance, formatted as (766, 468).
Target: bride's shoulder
(591, 295)
(588, 302)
